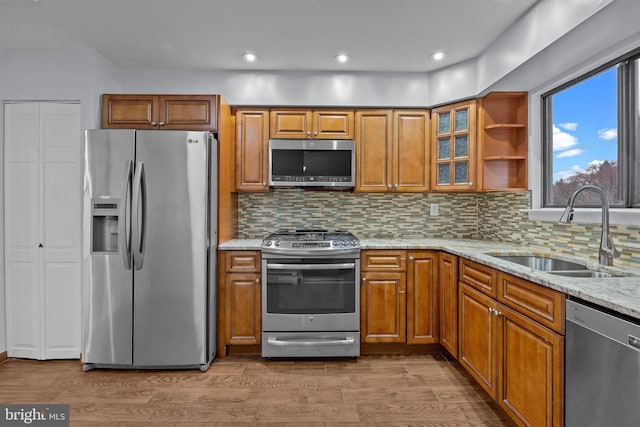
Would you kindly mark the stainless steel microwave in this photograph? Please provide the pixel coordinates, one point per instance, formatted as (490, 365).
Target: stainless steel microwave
(312, 163)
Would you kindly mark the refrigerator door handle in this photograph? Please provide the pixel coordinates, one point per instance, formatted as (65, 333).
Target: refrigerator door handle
(139, 214)
(124, 226)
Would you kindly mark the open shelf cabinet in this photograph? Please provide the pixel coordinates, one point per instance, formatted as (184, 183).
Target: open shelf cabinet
(503, 141)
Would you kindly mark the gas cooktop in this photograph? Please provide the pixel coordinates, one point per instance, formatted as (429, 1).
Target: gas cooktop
(310, 239)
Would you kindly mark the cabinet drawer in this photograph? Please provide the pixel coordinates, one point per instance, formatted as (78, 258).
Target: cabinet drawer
(384, 260)
(478, 276)
(541, 304)
(242, 261)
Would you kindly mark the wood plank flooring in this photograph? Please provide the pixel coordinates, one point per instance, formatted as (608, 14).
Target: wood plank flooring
(415, 390)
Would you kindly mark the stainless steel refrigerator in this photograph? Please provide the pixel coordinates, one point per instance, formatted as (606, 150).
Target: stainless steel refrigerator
(149, 222)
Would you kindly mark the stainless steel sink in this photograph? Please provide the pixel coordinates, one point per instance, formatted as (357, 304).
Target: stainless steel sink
(556, 266)
(585, 273)
(542, 263)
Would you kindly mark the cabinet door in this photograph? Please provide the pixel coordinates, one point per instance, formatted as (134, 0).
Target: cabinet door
(410, 151)
(448, 287)
(252, 150)
(422, 298)
(383, 307)
(296, 124)
(454, 147)
(478, 340)
(531, 366)
(332, 124)
(130, 111)
(243, 307)
(373, 143)
(188, 112)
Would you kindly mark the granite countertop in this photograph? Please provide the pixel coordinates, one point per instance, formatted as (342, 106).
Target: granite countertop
(621, 294)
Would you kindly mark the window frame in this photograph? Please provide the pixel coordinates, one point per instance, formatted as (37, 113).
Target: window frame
(628, 119)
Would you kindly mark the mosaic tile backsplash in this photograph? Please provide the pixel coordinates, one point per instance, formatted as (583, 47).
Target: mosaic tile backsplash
(488, 216)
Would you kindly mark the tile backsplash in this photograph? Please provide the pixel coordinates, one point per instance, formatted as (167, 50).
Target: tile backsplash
(487, 216)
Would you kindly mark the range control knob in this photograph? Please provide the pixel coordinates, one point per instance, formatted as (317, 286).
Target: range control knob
(277, 243)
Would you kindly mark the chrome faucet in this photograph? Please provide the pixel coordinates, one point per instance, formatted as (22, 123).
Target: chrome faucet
(607, 250)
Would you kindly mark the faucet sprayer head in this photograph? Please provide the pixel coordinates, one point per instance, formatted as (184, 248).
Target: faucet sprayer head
(567, 215)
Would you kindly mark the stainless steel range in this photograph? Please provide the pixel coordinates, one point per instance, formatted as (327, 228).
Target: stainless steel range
(310, 294)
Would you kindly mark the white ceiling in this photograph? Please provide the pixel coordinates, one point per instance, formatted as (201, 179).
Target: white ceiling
(379, 35)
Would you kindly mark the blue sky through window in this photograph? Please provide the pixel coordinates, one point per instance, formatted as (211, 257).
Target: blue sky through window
(585, 122)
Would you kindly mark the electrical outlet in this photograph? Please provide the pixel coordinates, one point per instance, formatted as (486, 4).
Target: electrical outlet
(433, 211)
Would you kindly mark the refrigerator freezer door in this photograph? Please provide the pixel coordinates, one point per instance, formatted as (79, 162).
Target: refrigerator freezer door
(107, 285)
(170, 290)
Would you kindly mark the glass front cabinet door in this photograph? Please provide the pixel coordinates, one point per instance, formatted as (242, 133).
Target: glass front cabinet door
(454, 147)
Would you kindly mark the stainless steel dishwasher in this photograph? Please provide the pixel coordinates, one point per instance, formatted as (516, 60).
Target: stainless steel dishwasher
(602, 369)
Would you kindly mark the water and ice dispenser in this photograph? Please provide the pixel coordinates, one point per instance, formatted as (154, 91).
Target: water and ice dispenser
(104, 225)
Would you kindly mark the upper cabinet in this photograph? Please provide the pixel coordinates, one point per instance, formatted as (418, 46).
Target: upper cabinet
(252, 149)
(311, 124)
(503, 141)
(178, 112)
(453, 147)
(392, 150)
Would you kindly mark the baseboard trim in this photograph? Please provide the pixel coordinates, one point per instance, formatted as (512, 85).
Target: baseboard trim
(3, 357)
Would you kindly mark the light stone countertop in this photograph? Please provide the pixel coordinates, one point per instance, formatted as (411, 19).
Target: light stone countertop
(621, 294)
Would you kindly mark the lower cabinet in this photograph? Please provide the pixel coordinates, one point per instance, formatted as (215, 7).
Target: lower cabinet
(239, 299)
(517, 359)
(448, 301)
(399, 298)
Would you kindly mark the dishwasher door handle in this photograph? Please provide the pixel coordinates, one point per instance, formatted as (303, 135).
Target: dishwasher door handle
(634, 342)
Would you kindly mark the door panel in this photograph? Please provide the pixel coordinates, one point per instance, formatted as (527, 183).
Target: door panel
(170, 289)
(107, 295)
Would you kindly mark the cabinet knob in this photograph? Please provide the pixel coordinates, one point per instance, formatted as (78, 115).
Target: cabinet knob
(160, 123)
(412, 258)
(258, 280)
(153, 123)
(470, 184)
(396, 185)
(264, 184)
(364, 279)
(389, 186)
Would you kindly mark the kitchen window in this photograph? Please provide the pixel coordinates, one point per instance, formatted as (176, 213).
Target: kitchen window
(590, 127)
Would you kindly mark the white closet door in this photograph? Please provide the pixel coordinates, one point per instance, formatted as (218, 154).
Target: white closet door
(60, 136)
(22, 229)
(43, 230)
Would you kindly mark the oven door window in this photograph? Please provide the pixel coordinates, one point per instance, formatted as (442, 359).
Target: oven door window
(311, 288)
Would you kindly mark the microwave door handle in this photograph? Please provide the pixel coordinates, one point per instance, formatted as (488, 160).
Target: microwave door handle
(341, 266)
(124, 225)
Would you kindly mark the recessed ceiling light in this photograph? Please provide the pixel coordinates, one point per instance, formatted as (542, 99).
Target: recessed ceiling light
(250, 57)
(438, 56)
(341, 58)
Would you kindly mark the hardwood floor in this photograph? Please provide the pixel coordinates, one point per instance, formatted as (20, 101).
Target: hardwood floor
(416, 390)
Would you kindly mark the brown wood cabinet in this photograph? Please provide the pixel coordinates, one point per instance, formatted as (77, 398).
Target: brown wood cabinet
(503, 135)
(453, 147)
(178, 112)
(311, 124)
(392, 150)
(448, 290)
(399, 298)
(239, 299)
(422, 298)
(512, 343)
(252, 149)
(383, 302)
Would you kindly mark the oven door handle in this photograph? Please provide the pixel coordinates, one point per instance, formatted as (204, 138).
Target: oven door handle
(340, 266)
(309, 342)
